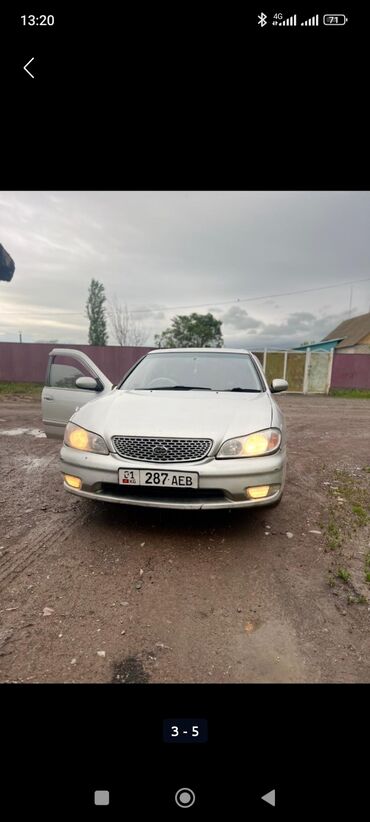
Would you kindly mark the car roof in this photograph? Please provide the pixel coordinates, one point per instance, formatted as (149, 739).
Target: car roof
(218, 350)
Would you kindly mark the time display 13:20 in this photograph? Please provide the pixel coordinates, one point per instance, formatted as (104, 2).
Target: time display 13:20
(37, 20)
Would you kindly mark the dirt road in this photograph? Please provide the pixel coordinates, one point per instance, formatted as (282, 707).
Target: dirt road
(91, 592)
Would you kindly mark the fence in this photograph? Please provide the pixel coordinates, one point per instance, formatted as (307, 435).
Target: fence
(351, 371)
(307, 372)
(27, 362)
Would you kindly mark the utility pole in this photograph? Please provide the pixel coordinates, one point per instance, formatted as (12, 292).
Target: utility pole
(350, 301)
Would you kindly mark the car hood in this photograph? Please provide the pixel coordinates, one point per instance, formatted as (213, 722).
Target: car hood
(217, 416)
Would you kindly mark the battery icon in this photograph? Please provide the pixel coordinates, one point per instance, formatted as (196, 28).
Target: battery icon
(334, 19)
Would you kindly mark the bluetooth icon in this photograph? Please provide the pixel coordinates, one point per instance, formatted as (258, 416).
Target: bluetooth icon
(262, 19)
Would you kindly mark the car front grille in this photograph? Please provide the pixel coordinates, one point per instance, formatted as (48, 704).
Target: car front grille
(159, 449)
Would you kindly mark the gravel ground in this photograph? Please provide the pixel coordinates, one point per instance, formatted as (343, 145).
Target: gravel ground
(92, 592)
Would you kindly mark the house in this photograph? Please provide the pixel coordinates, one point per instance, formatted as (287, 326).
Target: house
(319, 346)
(354, 335)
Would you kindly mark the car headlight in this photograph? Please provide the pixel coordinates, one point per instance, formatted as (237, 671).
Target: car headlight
(77, 437)
(252, 445)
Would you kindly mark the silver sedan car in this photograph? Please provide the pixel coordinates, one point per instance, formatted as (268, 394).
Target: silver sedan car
(185, 428)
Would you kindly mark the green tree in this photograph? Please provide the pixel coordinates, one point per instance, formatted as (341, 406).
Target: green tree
(95, 311)
(191, 331)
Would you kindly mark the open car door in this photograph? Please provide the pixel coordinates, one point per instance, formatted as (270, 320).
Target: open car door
(72, 379)
(7, 266)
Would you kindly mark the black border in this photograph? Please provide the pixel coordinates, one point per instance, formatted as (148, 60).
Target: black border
(228, 107)
(62, 742)
(206, 101)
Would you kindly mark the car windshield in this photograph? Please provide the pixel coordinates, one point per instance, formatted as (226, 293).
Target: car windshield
(199, 371)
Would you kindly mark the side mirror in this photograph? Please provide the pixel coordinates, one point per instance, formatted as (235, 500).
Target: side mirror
(278, 385)
(87, 382)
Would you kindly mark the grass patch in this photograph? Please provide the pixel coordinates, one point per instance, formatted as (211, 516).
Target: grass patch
(349, 487)
(21, 389)
(343, 574)
(367, 567)
(350, 393)
(342, 519)
(356, 600)
(333, 535)
(360, 513)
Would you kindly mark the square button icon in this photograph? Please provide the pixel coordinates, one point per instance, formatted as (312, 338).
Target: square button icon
(101, 798)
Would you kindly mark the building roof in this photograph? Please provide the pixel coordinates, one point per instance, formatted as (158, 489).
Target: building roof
(324, 344)
(352, 331)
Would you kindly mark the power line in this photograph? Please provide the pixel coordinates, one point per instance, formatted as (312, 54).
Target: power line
(204, 305)
(250, 299)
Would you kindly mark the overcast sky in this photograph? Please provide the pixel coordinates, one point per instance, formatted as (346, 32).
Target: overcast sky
(177, 252)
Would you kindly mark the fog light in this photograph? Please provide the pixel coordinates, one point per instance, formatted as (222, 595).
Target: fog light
(74, 482)
(261, 491)
(258, 491)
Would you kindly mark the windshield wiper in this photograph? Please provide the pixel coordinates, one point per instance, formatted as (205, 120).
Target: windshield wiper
(179, 388)
(245, 390)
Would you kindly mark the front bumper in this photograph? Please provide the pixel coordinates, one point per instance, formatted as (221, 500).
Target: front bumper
(222, 483)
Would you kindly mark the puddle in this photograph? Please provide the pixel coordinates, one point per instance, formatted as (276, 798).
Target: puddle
(269, 652)
(130, 670)
(16, 432)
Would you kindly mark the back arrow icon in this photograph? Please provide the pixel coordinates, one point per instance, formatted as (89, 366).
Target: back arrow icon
(270, 797)
(26, 69)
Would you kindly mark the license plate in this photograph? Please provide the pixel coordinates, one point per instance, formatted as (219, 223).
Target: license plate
(171, 479)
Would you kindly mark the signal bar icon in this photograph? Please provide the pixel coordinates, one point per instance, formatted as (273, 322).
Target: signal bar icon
(313, 21)
(290, 21)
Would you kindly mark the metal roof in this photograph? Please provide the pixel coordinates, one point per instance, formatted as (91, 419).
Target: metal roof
(352, 331)
(323, 343)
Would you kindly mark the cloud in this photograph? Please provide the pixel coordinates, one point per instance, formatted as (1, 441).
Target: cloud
(195, 249)
(239, 318)
(298, 321)
(291, 332)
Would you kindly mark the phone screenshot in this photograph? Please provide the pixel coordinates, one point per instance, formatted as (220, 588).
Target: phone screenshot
(184, 412)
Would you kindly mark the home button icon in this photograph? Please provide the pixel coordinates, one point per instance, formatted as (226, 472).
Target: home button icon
(185, 797)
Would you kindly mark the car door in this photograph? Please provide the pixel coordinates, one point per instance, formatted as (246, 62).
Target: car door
(60, 396)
